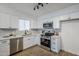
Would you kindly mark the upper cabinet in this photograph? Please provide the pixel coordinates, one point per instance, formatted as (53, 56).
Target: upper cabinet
(34, 24)
(40, 24)
(56, 23)
(4, 20)
(14, 22)
(8, 21)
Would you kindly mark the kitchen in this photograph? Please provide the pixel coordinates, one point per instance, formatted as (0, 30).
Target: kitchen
(39, 29)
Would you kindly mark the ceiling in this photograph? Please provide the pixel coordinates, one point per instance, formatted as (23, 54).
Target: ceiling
(27, 8)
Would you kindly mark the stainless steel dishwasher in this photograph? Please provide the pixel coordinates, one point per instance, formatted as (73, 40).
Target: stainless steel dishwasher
(16, 45)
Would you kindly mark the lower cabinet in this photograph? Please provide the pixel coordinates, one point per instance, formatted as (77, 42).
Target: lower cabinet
(37, 40)
(27, 42)
(55, 44)
(4, 48)
(30, 41)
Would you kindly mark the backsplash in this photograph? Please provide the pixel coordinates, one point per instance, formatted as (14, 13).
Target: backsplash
(4, 32)
(7, 32)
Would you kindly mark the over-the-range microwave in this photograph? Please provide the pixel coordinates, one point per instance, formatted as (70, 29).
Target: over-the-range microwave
(48, 25)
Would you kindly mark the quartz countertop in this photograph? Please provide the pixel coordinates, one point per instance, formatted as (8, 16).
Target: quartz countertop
(18, 36)
(10, 37)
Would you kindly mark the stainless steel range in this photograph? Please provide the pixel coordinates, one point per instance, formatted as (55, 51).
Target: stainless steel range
(45, 41)
(47, 32)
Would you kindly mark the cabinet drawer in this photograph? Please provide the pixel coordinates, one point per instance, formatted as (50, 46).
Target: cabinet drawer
(54, 40)
(54, 50)
(53, 45)
(26, 38)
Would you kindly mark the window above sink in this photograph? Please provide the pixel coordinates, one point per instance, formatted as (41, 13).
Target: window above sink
(24, 24)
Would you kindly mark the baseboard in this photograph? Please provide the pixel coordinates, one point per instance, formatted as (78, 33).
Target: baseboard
(70, 52)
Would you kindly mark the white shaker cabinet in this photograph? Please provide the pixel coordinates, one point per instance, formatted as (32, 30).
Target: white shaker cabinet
(28, 42)
(14, 23)
(40, 24)
(37, 40)
(25, 42)
(4, 48)
(34, 24)
(8, 21)
(4, 21)
(56, 23)
(55, 44)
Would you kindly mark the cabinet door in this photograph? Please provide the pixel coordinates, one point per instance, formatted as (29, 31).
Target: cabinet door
(14, 22)
(40, 24)
(55, 44)
(56, 23)
(34, 24)
(4, 20)
(4, 48)
(33, 40)
(26, 42)
(37, 40)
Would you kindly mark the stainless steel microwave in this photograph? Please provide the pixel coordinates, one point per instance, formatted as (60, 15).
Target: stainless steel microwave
(48, 25)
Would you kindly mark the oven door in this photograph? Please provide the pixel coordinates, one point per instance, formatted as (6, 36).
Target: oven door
(45, 42)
